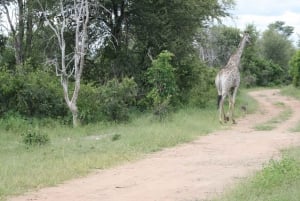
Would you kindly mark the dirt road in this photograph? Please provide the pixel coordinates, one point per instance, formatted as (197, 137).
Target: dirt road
(192, 171)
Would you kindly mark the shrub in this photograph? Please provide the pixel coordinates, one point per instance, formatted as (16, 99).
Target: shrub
(203, 90)
(162, 81)
(110, 101)
(32, 138)
(89, 103)
(31, 92)
(116, 98)
(295, 69)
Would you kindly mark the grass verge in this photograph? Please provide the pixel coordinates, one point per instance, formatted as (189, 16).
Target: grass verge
(278, 181)
(72, 153)
(271, 124)
(295, 93)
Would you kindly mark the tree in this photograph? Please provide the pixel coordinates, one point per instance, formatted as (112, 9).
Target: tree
(78, 17)
(143, 29)
(22, 28)
(286, 31)
(276, 45)
(295, 68)
(257, 69)
(217, 43)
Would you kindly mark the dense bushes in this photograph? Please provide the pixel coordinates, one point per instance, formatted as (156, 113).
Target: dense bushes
(31, 93)
(295, 68)
(110, 101)
(203, 91)
(163, 88)
(261, 72)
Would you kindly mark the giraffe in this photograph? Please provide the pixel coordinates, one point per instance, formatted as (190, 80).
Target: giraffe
(228, 80)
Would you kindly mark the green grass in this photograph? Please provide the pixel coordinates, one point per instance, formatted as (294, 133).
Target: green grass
(271, 124)
(291, 91)
(295, 93)
(278, 181)
(75, 152)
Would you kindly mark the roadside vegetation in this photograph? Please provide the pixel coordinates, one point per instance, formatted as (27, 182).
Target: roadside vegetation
(293, 92)
(271, 124)
(278, 181)
(36, 153)
(143, 81)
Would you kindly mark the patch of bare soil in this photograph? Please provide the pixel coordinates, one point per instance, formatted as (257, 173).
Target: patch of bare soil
(192, 171)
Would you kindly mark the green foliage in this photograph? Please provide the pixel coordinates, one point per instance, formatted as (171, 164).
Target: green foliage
(110, 101)
(7, 58)
(277, 47)
(14, 122)
(278, 181)
(89, 103)
(161, 78)
(265, 60)
(272, 123)
(117, 97)
(295, 68)
(31, 93)
(35, 137)
(203, 91)
(277, 172)
(280, 27)
(260, 72)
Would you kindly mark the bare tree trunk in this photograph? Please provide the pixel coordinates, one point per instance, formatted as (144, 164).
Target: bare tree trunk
(81, 18)
(20, 34)
(15, 30)
(29, 31)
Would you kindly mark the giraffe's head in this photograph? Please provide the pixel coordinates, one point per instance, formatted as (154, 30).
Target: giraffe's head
(247, 37)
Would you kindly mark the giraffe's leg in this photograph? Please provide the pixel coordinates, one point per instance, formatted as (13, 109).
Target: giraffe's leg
(233, 104)
(222, 117)
(229, 113)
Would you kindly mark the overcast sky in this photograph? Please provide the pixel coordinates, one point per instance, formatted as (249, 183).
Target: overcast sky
(263, 12)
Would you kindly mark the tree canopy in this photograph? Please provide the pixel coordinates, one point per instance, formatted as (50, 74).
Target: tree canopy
(127, 40)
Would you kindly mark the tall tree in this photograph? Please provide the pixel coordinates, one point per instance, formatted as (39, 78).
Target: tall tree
(141, 29)
(276, 45)
(23, 19)
(76, 16)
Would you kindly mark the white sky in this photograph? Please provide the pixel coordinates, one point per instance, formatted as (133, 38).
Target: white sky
(263, 12)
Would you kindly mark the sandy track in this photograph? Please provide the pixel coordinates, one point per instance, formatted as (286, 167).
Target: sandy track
(192, 171)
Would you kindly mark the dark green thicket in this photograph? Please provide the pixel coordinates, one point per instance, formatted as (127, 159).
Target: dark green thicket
(31, 92)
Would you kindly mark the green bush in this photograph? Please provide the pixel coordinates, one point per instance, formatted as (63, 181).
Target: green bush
(110, 101)
(161, 78)
(14, 122)
(295, 68)
(203, 91)
(31, 92)
(117, 97)
(89, 103)
(35, 137)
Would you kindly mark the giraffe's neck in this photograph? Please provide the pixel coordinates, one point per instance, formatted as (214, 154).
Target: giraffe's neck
(234, 60)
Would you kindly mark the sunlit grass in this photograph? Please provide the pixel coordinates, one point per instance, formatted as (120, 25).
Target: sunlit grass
(295, 93)
(75, 152)
(272, 123)
(278, 181)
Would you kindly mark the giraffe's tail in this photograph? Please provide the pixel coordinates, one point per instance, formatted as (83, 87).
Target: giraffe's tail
(219, 89)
